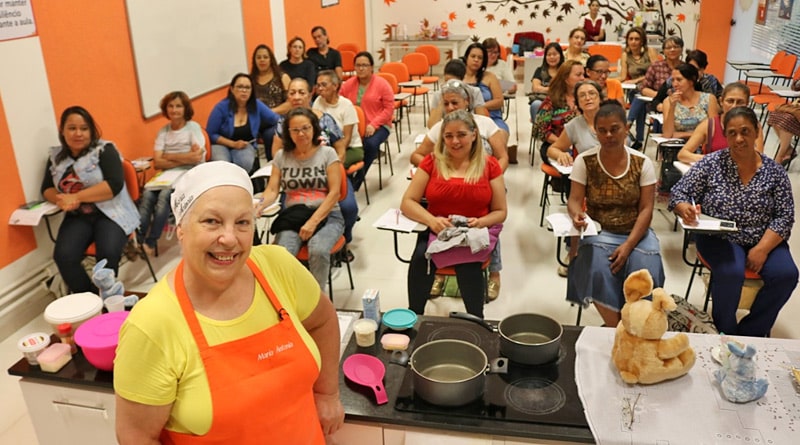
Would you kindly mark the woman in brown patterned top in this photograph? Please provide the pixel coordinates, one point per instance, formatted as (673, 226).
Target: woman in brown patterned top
(615, 186)
(269, 82)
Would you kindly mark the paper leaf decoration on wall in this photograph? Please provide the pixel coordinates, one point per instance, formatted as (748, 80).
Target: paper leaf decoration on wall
(389, 2)
(471, 24)
(452, 16)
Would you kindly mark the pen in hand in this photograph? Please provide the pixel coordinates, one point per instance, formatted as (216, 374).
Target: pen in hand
(696, 209)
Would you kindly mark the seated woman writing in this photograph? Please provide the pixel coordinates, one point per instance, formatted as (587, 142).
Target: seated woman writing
(458, 178)
(84, 178)
(309, 173)
(179, 145)
(686, 106)
(744, 186)
(708, 137)
(615, 186)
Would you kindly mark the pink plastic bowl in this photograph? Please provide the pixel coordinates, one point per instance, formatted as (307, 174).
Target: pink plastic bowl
(98, 338)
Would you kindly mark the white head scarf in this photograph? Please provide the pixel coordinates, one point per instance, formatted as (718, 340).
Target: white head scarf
(202, 178)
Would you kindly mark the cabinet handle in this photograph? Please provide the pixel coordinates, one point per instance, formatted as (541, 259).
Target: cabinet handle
(94, 409)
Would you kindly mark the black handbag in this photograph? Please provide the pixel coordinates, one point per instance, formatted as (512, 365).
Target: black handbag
(292, 218)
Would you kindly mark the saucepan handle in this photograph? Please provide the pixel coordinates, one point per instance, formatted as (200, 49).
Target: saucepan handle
(474, 319)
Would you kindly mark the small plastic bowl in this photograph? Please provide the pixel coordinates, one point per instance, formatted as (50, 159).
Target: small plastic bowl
(399, 319)
(395, 342)
(32, 345)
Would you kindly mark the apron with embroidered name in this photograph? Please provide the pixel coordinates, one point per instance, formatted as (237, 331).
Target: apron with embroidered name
(261, 385)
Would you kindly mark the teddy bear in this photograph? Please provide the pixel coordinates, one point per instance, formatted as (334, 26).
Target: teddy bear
(107, 284)
(639, 352)
(737, 377)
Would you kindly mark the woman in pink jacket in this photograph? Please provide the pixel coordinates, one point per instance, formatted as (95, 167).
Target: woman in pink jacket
(374, 95)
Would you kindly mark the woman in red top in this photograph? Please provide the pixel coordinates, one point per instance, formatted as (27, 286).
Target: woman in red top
(593, 24)
(458, 178)
(374, 95)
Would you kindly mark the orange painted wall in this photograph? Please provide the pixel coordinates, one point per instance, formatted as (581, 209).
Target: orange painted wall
(345, 22)
(89, 61)
(15, 241)
(713, 33)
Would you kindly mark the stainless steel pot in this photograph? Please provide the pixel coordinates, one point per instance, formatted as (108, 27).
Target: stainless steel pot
(451, 372)
(529, 339)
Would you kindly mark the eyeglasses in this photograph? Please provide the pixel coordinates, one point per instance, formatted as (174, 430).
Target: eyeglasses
(363, 66)
(588, 95)
(243, 87)
(304, 129)
(600, 72)
(735, 102)
(322, 84)
(671, 48)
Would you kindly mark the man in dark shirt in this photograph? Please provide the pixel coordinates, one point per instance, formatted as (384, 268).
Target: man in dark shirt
(323, 56)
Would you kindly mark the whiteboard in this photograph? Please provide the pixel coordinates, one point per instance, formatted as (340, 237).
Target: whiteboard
(195, 46)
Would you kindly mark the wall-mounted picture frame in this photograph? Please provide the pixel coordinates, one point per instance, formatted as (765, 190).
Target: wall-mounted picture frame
(326, 3)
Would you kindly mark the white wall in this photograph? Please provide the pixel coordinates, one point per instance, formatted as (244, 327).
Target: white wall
(411, 12)
(739, 46)
(29, 113)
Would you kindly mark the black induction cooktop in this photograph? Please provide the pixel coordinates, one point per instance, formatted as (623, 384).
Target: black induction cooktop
(535, 394)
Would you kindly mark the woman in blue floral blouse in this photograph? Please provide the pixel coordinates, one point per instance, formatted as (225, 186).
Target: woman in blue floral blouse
(742, 185)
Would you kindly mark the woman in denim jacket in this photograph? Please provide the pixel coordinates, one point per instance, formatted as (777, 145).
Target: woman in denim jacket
(85, 179)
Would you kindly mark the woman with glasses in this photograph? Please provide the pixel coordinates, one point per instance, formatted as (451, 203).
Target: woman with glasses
(296, 63)
(374, 95)
(658, 73)
(709, 136)
(458, 178)
(577, 38)
(476, 60)
(686, 106)
(310, 176)
(579, 134)
(615, 186)
(597, 71)
(330, 135)
(342, 110)
(236, 123)
(498, 66)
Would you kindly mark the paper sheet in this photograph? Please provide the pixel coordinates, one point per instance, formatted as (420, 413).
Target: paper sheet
(562, 225)
(393, 219)
(563, 169)
(265, 171)
(689, 409)
(660, 140)
(32, 216)
(705, 223)
(165, 179)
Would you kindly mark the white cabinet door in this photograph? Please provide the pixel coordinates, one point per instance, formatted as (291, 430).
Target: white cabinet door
(67, 414)
(357, 433)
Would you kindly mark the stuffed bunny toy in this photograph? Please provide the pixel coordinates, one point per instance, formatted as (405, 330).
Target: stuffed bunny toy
(107, 283)
(737, 377)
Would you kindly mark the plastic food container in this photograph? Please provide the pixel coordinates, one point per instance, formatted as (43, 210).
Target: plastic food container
(32, 345)
(395, 342)
(74, 309)
(399, 319)
(55, 357)
(98, 339)
(365, 331)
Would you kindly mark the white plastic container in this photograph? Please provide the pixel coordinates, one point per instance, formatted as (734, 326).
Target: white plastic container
(32, 345)
(364, 329)
(74, 309)
(54, 357)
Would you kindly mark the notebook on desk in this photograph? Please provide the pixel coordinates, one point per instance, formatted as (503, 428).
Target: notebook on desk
(705, 223)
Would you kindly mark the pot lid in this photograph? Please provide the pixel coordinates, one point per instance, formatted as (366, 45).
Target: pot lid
(73, 308)
(101, 331)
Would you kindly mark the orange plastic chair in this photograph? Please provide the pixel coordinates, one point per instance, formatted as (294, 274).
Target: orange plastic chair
(611, 52)
(341, 243)
(132, 184)
(352, 47)
(401, 72)
(399, 105)
(782, 71)
(432, 53)
(348, 63)
(429, 78)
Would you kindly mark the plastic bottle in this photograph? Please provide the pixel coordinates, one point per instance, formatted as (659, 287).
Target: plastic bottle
(67, 336)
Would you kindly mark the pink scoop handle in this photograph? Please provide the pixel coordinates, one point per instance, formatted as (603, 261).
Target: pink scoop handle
(368, 371)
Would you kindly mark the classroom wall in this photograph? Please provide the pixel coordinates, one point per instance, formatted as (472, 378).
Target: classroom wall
(82, 54)
(345, 22)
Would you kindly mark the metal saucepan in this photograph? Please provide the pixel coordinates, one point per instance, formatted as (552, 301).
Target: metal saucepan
(529, 339)
(451, 372)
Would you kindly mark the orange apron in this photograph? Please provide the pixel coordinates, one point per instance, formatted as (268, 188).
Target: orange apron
(261, 385)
